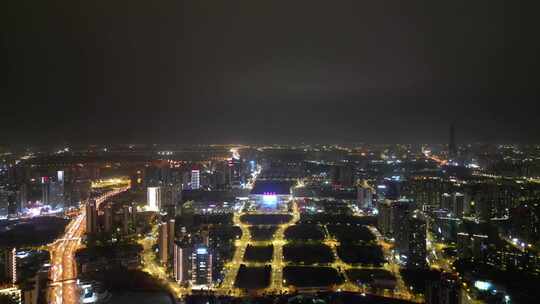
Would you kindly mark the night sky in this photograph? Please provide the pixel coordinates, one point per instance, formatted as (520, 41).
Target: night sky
(200, 71)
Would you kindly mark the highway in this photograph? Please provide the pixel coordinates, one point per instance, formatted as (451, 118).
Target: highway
(63, 273)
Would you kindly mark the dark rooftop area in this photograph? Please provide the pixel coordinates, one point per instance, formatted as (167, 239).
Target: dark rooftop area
(272, 187)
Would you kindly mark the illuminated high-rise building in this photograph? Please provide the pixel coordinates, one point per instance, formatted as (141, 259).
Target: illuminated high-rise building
(201, 266)
(364, 196)
(416, 240)
(195, 179)
(154, 198)
(171, 236)
(166, 241)
(171, 195)
(456, 203)
(182, 262)
(392, 215)
(45, 190)
(446, 201)
(224, 173)
(57, 195)
(343, 176)
(163, 243)
(8, 200)
(23, 196)
(91, 217)
(108, 218)
(460, 202)
(127, 217)
(10, 264)
(384, 219)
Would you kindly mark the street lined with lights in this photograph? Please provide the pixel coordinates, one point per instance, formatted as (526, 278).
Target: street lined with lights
(63, 287)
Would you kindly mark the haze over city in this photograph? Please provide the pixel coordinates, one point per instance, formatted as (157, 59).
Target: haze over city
(244, 71)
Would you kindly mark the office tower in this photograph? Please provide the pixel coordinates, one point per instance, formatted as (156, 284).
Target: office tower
(364, 196)
(201, 266)
(446, 201)
(159, 175)
(459, 201)
(126, 218)
(455, 202)
(384, 219)
(452, 147)
(525, 221)
(8, 200)
(170, 236)
(343, 176)
(4, 203)
(57, 189)
(108, 218)
(45, 190)
(235, 164)
(77, 191)
(163, 243)
(10, 264)
(170, 196)
(416, 237)
(443, 227)
(23, 196)
(137, 180)
(205, 236)
(182, 262)
(392, 215)
(224, 175)
(151, 176)
(401, 211)
(195, 179)
(133, 219)
(154, 198)
(165, 175)
(91, 217)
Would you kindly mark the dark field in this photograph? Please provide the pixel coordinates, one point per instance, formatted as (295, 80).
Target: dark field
(265, 219)
(301, 276)
(371, 276)
(308, 254)
(304, 232)
(262, 233)
(259, 253)
(361, 254)
(253, 277)
(350, 233)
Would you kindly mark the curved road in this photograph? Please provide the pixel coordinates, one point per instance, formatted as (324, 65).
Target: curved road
(63, 273)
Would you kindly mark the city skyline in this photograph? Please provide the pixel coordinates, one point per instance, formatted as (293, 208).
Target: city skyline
(265, 152)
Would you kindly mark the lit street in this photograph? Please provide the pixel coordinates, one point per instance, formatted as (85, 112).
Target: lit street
(63, 274)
